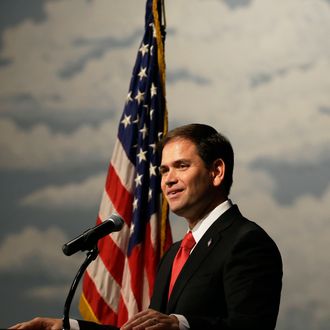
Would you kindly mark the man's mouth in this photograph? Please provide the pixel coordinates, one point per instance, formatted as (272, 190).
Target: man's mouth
(174, 192)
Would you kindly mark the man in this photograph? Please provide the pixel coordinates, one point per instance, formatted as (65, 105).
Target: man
(232, 276)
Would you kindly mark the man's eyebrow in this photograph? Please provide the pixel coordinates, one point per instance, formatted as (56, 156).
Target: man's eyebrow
(162, 169)
(180, 161)
(176, 163)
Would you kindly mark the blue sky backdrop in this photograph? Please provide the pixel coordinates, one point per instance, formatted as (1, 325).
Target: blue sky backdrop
(257, 70)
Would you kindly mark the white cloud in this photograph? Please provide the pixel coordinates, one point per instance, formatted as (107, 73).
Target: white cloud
(284, 41)
(40, 51)
(35, 251)
(82, 195)
(266, 36)
(47, 293)
(39, 148)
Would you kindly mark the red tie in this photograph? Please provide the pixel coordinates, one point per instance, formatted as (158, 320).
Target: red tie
(181, 257)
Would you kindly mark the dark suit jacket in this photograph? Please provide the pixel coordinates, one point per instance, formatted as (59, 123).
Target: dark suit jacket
(232, 279)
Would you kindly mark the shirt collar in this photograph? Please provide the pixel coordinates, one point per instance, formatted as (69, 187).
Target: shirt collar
(204, 224)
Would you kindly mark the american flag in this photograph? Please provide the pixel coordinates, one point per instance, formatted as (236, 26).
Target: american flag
(120, 281)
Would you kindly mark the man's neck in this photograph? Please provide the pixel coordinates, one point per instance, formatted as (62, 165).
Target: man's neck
(193, 222)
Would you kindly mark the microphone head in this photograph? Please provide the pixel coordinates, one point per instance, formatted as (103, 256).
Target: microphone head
(89, 238)
(117, 221)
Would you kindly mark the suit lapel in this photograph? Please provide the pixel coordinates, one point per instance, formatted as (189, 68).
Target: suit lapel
(159, 297)
(201, 251)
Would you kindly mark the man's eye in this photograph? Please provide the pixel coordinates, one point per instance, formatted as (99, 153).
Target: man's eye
(162, 171)
(183, 166)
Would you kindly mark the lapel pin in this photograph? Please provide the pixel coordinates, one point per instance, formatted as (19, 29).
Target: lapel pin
(209, 242)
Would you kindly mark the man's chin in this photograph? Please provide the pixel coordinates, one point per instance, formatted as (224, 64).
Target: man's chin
(174, 208)
(177, 210)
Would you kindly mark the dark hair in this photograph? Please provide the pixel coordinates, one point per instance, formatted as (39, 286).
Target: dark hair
(210, 144)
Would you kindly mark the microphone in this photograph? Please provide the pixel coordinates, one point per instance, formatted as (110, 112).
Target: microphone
(88, 239)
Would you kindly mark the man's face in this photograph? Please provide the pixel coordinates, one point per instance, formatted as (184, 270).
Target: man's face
(186, 182)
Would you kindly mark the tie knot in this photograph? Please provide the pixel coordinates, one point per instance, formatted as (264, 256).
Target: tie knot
(188, 241)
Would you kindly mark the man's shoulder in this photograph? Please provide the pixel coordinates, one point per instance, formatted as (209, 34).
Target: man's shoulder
(242, 227)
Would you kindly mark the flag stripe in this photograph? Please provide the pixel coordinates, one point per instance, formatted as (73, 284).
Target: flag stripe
(119, 196)
(128, 297)
(109, 290)
(109, 252)
(151, 255)
(86, 309)
(97, 303)
(123, 166)
(122, 312)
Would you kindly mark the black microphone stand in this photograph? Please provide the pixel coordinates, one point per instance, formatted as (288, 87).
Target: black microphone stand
(91, 255)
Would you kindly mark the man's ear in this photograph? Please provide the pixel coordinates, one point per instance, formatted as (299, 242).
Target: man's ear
(218, 172)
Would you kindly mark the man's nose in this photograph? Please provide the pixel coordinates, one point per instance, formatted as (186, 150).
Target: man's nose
(171, 177)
